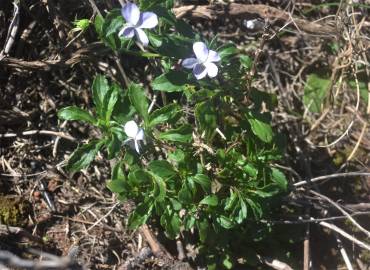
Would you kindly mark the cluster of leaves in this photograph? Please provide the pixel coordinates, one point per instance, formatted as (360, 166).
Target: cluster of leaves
(206, 164)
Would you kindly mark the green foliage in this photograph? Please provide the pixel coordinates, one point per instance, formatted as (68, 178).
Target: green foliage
(75, 113)
(166, 114)
(99, 90)
(172, 81)
(138, 99)
(181, 134)
(83, 156)
(260, 127)
(206, 115)
(81, 25)
(315, 91)
(207, 159)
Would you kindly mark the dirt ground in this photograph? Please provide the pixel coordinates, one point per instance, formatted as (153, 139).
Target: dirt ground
(49, 212)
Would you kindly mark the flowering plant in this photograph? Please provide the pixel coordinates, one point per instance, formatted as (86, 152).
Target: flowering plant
(205, 163)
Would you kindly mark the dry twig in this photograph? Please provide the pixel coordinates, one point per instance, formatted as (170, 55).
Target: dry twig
(40, 132)
(245, 11)
(331, 176)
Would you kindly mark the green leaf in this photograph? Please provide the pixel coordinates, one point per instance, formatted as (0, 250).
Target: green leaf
(231, 201)
(204, 181)
(114, 25)
(113, 146)
(315, 92)
(173, 227)
(155, 40)
(123, 111)
(140, 214)
(83, 156)
(81, 25)
(225, 222)
(171, 222)
(75, 113)
(148, 4)
(227, 262)
(116, 186)
(162, 168)
(110, 101)
(189, 222)
(210, 200)
(246, 61)
(139, 177)
(227, 51)
(260, 128)
(99, 90)
(206, 115)
(138, 100)
(243, 211)
(203, 228)
(250, 170)
(159, 188)
(119, 132)
(175, 46)
(279, 178)
(117, 183)
(172, 81)
(256, 208)
(176, 156)
(176, 205)
(117, 172)
(264, 194)
(185, 195)
(184, 28)
(98, 23)
(166, 114)
(181, 134)
(259, 98)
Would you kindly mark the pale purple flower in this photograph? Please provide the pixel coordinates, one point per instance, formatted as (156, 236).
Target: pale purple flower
(203, 64)
(134, 133)
(136, 22)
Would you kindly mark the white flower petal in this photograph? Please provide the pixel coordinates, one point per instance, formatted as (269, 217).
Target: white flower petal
(131, 129)
(141, 36)
(212, 69)
(189, 63)
(147, 20)
(201, 51)
(131, 13)
(127, 32)
(137, 147)
(140, 135)
(213, 56)
(199, 71)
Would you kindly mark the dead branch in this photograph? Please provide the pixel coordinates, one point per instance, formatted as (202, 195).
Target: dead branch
(331, 176)
(155, 246)
(345, 235)
(5, 229)
(354, 222)
(245, 11)
(40, 132)
(80, 55)
(314, 220)
(53, 262)
(274, 263)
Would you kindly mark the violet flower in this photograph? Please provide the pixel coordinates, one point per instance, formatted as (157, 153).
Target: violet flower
(203, 64)
(136, 22)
